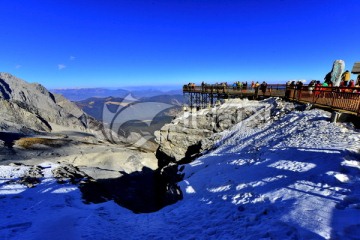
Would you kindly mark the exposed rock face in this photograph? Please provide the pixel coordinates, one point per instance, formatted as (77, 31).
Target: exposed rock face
(28, 107)
(68, 172)
(192, 133)
(195, 132)
(36, 125)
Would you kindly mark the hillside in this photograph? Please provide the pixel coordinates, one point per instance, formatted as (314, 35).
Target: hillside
(132, 118)
(286, 175)
(37, 126)
(30, 108)
(94, 106)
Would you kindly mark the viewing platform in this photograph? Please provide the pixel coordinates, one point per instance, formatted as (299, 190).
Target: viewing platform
(208, 94)
(336, 98)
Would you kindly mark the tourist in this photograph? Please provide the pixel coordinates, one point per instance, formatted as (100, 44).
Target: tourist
(235, 85)
(327, 78)
(299, 85)
(357, 85)
(317, 88)
(311, 86)
(224, 86)
(239, 85)
(252, 84)
(351, 83)
(345, 77)
(292, 84)
(263, 87)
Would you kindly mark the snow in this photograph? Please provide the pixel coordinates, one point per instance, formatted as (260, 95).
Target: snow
(294, 178)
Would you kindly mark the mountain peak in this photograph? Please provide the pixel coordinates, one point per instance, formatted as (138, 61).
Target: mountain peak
(31, 107)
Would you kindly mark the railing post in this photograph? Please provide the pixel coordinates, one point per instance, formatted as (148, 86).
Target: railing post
(294, 94)
(333, 97)
(256, 92)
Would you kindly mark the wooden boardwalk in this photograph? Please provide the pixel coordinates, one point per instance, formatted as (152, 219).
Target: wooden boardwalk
(208, 95)
(337, 98)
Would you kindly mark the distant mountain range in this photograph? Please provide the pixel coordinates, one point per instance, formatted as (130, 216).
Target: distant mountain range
(78, 94)
(129, 116)
(145, 107)
(29, 108)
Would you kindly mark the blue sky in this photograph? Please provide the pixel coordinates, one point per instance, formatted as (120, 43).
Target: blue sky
(108, 43)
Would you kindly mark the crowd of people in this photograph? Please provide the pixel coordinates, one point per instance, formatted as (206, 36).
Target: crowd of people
(235, 86)
(345, 80)
(346, 84)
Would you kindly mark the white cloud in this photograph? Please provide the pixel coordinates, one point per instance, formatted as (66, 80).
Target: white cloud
(72, 58)
(61, 66)
(18, 66)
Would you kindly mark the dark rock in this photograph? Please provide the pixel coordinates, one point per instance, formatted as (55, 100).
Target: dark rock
(69, 173)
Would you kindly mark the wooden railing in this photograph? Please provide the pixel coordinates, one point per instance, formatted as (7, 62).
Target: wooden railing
(277, 90)
(334, 97)
(344, 98)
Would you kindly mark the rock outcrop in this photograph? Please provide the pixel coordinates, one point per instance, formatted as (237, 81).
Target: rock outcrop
(30, 107)
(194, 132)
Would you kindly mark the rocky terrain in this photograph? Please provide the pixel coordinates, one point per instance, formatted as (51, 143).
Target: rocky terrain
(27, 108)
(248, 166)
(279, 173)
(194, 132)
(132, 118)
(38, 126)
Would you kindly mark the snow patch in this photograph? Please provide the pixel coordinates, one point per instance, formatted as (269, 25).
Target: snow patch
(190, 190)
(342, 177)
(220, 189)
(294, 166)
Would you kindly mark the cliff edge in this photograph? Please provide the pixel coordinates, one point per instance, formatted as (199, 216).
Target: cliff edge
(194, 132)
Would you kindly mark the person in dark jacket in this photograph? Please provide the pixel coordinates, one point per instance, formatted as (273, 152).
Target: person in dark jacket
(299, 85)
(327, 78)
(263, 87)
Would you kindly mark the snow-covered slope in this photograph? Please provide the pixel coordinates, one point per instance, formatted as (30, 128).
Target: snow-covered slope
(297, 177)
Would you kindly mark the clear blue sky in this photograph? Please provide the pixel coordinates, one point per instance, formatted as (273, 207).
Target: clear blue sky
(115, 43)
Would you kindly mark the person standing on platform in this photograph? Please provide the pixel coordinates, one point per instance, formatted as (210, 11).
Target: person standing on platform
(263, 87)
(345, 77)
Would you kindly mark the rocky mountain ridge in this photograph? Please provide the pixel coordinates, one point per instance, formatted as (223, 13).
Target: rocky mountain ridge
(30, 107)
(37, 126)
